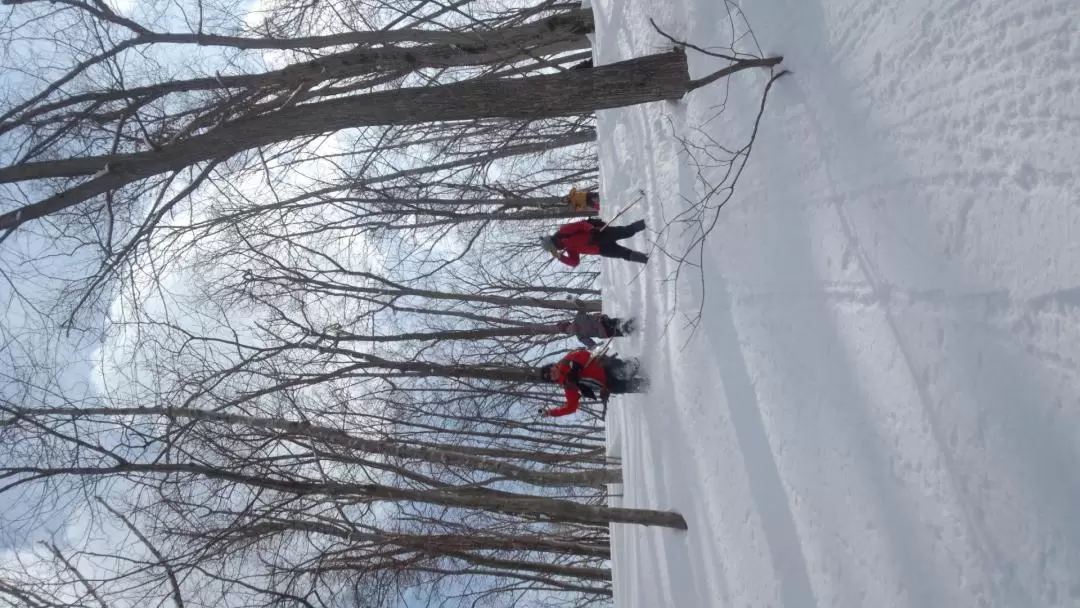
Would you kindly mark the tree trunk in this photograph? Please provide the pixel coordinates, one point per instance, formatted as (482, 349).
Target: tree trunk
(479, 541)
(395, 290)
(506, 151)
(574, 21)
(540, 203)
(553, 509)
(482, 333)
(556, 34)
(332, 436)
(574, 92)
(503, 373)
(580, 572)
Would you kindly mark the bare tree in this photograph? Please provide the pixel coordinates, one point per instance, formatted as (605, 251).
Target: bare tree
(215, 488)
(709, 158)
(325, 303)
(651, 78)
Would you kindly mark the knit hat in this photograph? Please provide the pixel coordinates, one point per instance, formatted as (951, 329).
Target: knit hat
(548, 243)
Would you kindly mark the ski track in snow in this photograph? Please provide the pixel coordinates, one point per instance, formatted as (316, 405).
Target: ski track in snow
(881, 405)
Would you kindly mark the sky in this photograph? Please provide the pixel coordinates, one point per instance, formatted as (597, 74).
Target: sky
(83, 364)
(65, 365)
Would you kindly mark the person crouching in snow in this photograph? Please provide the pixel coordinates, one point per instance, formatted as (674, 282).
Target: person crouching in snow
(592, 236)
(582, 374)
(580, 200)
(587, 326)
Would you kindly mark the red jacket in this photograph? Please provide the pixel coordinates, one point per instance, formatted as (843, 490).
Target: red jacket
(572, 371)
(576, 239)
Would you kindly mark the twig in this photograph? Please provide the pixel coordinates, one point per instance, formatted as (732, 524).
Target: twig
(739, 66)
(91, 589)
(174, 582)
(692, 46)
(704, 213)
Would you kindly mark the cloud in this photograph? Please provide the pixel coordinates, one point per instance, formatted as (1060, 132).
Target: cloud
(122, 7)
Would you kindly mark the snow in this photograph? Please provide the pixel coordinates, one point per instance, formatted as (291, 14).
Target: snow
(880, 404)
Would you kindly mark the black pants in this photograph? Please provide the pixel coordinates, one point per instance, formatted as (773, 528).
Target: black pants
(606, 241)
(615, 327)
(623, 375)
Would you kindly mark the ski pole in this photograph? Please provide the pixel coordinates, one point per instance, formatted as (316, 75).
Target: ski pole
(621, 211)
(599, 352)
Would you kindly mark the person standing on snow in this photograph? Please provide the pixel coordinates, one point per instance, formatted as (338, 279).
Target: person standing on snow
(593, 236)
(582, 374)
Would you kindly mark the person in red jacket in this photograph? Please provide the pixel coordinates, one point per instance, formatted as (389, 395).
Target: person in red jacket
(593, 236)
(594, 377)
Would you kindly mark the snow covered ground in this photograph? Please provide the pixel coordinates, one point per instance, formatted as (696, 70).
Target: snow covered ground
(881, 405)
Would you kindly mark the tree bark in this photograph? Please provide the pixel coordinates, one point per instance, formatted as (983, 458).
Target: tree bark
(394, 290)
(575, 20)
(486, 500)
(439, 542)
(556, 34)
(650, 78)
(483, 333)
(330, 194)
(372, 446)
